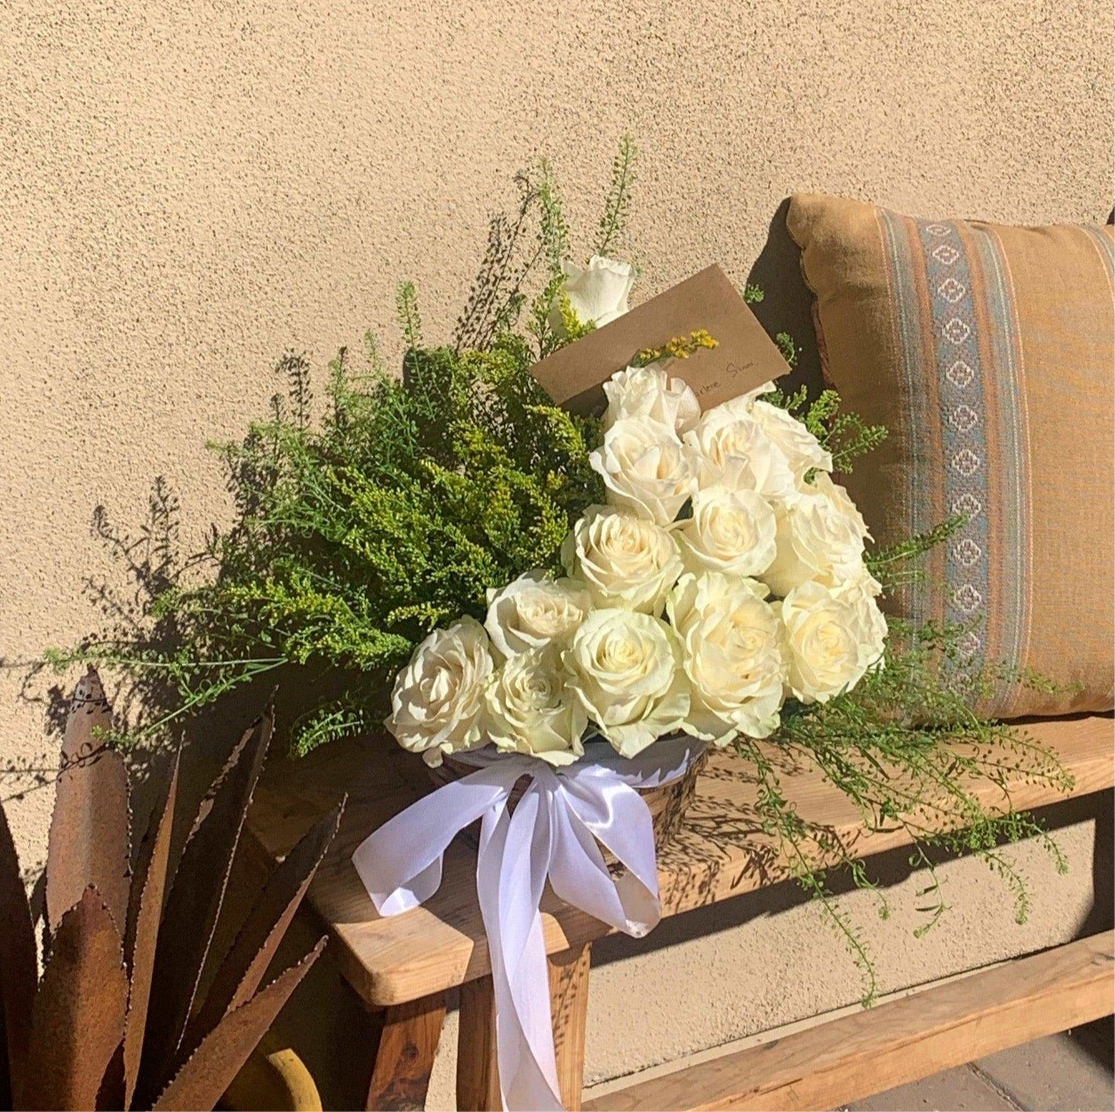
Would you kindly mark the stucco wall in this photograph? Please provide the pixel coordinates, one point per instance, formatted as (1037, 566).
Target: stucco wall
(187, 189)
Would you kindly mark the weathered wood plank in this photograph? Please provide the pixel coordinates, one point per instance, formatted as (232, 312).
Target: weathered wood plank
(719, 853)
(895, 1043)
(477, 1071)
(405, 1058)
(569, 974)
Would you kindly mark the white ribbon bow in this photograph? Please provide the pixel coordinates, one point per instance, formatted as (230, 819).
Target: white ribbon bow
(551, 834)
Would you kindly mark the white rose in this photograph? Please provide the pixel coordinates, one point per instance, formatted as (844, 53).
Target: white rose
(816, 540)
(730, 449)
(626, 670)
(533, 612)
(744, 403)
(650, 393)
(757, 392)
(530, 710)
(597, 293)
(830, 644)
(862, 593)
(733, 648)
(438, 700)
(841, 501)
(646, 468)
(622, 559)
(730, 530)
(801, 448)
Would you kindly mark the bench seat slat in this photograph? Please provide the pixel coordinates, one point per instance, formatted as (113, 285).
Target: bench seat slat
(718, 854)
(842, 1060)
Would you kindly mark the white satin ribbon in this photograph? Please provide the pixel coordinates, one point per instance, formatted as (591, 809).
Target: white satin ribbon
(552, 833)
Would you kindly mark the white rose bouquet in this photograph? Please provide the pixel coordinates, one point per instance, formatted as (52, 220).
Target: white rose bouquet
(723, 574)
(507, 580)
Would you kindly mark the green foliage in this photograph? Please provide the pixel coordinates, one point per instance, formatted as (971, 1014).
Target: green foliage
(790, 350)
(358, 535)
(406, 305)
(846, 435)
(554, 230)
(572, 327)
(907, 749)
(554, 246)
(617, 201)
(896, 565)
(679, 347)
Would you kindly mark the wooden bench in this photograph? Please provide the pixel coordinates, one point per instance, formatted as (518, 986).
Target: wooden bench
(403, 966)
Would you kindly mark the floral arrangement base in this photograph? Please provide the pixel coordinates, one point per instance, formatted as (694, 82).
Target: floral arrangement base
(667, 804)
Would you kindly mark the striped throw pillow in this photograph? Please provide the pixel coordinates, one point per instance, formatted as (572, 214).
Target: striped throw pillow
(988, 351)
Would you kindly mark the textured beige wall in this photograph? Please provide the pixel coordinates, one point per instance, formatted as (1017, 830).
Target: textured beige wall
(189, 188)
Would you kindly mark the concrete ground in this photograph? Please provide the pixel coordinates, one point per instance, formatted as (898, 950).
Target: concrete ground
(1071, 1071)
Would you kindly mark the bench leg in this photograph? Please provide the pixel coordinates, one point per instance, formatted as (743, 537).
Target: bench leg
(569, 1003)
(477, 1072)
(405, 1057)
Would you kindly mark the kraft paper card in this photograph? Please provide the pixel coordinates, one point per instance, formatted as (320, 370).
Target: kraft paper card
(745, 356)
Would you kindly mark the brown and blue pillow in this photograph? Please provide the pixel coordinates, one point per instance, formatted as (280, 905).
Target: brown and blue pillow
(989, 352)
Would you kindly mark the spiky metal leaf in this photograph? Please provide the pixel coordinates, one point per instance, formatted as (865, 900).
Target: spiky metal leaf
(204, 1077)
(89, 841)
(19, 969)
(194, 904)
(77, 1019)
(148, 889)
(246, 963)
(90, 1038)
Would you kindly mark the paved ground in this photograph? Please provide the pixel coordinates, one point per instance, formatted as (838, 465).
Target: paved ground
(1063, 1073)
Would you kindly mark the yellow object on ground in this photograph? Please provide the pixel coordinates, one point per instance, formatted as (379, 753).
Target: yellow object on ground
(273, 1078)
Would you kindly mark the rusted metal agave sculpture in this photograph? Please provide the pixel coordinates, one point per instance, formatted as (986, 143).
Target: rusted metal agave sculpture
(118, 1019)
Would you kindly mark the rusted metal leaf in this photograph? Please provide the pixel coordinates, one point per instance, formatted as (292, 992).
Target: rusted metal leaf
(246, 963)
(193, 905)
(7, 1091)
(19, 970)
(110, 1096)
(88, 842)
(201, 1082)
(6, 1100)
(77, 1018)
(37, 899)
(148, 889)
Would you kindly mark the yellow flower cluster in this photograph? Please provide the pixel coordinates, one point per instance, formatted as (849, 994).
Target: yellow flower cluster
(680, 347)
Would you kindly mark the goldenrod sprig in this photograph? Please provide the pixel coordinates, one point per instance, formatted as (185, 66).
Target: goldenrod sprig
(679, 347)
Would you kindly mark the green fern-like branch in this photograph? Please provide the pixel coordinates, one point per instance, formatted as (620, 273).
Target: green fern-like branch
(617, 201)
(406, 306)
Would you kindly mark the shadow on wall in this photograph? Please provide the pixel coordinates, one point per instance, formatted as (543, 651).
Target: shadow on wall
(149, 563)
(787, 305)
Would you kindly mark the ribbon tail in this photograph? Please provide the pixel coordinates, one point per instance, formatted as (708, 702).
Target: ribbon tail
(511, 872)
(400, 863)
(601, 807)
(617, 817)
